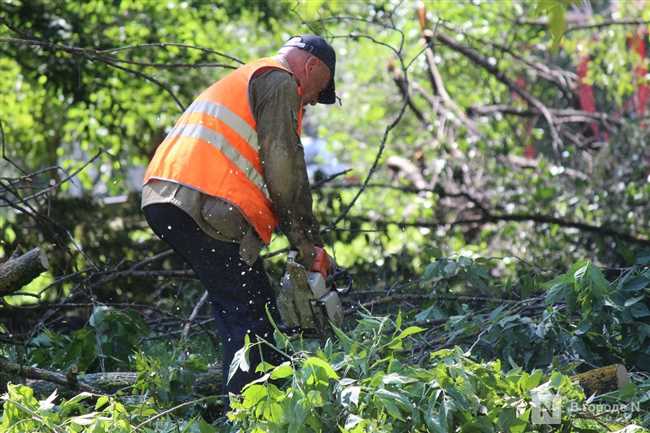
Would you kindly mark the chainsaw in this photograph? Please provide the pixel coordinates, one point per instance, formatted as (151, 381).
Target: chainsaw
(308, 302)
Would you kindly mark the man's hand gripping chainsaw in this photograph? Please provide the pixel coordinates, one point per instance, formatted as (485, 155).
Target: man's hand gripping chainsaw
(309, 300)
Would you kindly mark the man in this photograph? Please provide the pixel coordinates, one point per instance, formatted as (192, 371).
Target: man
(228, 173)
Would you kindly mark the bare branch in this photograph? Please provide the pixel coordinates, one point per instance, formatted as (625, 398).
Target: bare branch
(17, 272)
(534, 218)
(479, 60)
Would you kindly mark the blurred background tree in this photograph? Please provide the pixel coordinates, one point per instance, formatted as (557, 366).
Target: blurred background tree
(494, 129)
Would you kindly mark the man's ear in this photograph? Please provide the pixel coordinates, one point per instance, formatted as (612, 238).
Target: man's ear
(312, 62)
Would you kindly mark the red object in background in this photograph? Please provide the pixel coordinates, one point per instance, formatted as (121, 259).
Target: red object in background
(520, 81)
(586, 92)
(529, 150)
(642, 94)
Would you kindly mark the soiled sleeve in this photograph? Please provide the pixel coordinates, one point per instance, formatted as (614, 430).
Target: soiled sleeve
(275, 103)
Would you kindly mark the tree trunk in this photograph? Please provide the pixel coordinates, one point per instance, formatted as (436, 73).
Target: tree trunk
(15, 273)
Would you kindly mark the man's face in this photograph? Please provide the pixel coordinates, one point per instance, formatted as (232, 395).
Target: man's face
(317, 76)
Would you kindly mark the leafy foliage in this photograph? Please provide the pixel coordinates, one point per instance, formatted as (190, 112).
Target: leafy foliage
(383, 375)
(370, 387)
(106, 344)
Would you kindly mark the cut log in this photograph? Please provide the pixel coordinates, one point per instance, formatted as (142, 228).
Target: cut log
(17, 272)
(604, 379)
(45, 381)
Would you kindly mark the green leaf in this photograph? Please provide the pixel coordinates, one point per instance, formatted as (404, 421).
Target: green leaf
(411, 330)
(395, 344)
(631, 301)
(263, 367)
(351, 421)
(350, 395)
(205, 427)
(636, 284)
(101, 402)
(438, 422)
(556, 11)
(392, 408)
(73, 402)
(395, 378)
(584, 327)
(281, 371)
(85, 419)
(240, 360)
(321, 364)
(345, 341)
(639, 311)
(643, 259)
(530, 381)
(253, 394)
(431, 313)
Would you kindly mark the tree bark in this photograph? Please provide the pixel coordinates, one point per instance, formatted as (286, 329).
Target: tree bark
(604, 379)
(16, 273)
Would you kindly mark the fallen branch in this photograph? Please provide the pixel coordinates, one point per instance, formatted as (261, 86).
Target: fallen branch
(403, 87)
(606, 23)
(69, 381)
(393, 299)
(537, 219)
(195, 312)
(410, 170)
(479, 60)
(435, 77)
(205, 383)
(575, 115)
(17, 272)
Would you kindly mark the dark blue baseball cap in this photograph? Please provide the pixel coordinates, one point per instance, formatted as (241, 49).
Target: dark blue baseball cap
(318, 47)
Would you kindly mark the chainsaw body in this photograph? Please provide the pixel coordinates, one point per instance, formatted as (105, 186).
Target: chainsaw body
(308, 302)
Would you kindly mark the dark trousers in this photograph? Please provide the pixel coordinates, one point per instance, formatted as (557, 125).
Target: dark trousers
(238, 292)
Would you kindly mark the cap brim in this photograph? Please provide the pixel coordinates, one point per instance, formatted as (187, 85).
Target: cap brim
(328, 96)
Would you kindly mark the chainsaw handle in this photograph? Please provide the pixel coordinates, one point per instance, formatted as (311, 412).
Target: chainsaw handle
(341, 281)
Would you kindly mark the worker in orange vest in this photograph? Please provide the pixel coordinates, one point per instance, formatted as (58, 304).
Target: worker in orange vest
(230, 171)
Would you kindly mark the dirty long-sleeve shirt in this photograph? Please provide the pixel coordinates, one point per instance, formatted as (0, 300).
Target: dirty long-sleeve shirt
(275, 104)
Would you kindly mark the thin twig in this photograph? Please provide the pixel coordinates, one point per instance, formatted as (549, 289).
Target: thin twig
(175, 408)
(195, 312)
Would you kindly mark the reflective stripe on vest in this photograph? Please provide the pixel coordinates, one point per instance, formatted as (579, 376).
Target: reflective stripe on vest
(222, 113)
(216, 139)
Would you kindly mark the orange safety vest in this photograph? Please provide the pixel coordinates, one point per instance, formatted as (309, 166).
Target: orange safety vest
(213, 148)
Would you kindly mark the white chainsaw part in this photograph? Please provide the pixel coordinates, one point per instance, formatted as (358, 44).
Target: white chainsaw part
(317, 284)
(295, 297)
(333, 307)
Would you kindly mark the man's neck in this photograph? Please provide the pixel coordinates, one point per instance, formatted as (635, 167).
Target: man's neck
(283, 61)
